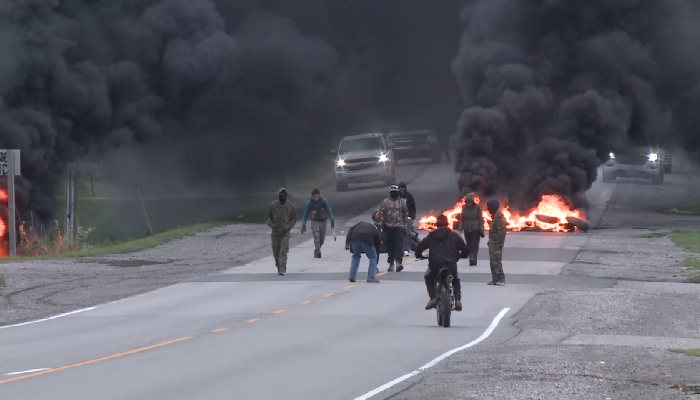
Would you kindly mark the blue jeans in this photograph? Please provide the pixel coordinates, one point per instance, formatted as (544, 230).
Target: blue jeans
(358, 248)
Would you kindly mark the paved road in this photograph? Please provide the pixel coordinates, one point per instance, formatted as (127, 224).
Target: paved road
(249, 333)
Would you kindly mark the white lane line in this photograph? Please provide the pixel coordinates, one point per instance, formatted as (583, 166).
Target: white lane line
(398, 380)
(49, 318)
(26, 372)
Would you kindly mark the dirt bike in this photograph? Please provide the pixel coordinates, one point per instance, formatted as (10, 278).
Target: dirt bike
(445, 296)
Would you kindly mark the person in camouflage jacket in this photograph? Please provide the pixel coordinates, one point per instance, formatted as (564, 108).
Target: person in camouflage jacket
(393, 214)
(471, 222)
(497, 238)
(281, 216)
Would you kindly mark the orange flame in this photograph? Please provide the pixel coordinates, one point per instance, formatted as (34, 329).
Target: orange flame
(550, 205)
(3, 225)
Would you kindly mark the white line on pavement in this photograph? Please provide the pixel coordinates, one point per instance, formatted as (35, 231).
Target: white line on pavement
(398, 380)
(26, 372)
(49, 318)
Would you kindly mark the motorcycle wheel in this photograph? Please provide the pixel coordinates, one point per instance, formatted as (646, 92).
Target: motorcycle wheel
(446, 309)
(438, 310)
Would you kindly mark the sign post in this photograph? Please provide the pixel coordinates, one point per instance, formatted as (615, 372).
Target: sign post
(10, 166)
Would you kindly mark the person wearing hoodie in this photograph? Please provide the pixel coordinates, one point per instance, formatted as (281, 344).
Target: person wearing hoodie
(471, 222)
(445, 248)
(392, 216)
(411, 204)
(318, 211)
(281, 217)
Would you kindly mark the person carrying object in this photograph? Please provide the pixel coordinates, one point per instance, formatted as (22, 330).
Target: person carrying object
(319, 212)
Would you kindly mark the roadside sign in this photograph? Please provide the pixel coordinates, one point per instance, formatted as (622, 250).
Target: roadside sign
(5, 160)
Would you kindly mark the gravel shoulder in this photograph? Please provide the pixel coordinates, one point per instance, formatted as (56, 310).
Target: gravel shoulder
(554, 355)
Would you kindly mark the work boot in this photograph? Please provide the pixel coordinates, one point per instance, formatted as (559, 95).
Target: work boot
(372, 280)
(431, 304)
(391, 267)
(501, 283)
(492, 283)
(399, 267)
(472, 263)
(458, 305)
(352, 279)
(317, 254)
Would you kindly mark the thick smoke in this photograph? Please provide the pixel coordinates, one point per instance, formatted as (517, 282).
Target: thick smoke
(552, 86)
(76, 76)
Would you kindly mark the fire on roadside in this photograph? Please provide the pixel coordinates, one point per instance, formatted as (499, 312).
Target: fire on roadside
(552, 209)
(3, 224)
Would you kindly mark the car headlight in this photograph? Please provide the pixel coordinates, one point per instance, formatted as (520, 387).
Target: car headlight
(341, 163)
(612, 155)
(653, 157)
(383, 158)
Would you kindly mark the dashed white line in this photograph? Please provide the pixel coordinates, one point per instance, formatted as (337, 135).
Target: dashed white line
(26, 372)
(49, 318)
(398, 380)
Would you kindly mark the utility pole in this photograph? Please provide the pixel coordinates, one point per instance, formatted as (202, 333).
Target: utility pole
(70, 202)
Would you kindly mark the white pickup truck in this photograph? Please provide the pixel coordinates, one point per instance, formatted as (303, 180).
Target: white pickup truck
(362, 159)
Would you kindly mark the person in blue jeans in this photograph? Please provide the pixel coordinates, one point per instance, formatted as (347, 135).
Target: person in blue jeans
(363, 237)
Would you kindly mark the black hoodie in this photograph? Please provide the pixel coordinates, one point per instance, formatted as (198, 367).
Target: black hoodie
(445, 246)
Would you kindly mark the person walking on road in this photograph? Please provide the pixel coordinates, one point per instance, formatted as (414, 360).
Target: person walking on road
(497, 238)
(318, 211)
(281, 217)
(471, 222)
(363, 237)
(445, 248)
(393, 213)
(411, 204)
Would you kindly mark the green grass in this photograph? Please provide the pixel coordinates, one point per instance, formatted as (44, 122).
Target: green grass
(131, 245)
(688, 352)
(691, 262)
(688, 239)
(695, 278)
(2, 280)
(694, 210)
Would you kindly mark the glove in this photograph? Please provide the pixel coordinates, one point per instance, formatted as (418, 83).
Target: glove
(332, 224)
(303, 229)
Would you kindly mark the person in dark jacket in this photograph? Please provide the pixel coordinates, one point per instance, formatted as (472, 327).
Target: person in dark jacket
(411, 204)
(281, 216)
(363, 237)
(446, 248)
(471, 222)
(318, 211)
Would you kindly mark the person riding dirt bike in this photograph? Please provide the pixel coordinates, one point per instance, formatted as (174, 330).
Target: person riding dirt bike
(445, 249)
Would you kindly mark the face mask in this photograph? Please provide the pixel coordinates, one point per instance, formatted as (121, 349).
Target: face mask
(394, 195)
(283, 197)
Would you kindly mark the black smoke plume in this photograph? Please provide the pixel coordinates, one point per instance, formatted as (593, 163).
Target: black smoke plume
(553, 86)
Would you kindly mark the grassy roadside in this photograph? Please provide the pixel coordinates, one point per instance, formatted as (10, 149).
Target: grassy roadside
(129, 246)
(688, 352)
(689, 239)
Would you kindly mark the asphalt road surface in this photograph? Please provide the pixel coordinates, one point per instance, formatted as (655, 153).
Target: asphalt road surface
(249, 333)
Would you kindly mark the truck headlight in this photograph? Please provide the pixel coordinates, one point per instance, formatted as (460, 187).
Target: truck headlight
(612, 155)
(653, 157)
(341, 163)
(383, 158)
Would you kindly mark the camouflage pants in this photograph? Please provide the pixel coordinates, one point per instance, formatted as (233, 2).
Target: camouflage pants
(495, 259)
(318, 229)
(280, 248)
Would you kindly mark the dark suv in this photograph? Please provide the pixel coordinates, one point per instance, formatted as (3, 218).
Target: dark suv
(415, 144)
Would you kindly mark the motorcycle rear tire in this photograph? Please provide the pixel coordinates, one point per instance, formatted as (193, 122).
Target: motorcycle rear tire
(444, 309)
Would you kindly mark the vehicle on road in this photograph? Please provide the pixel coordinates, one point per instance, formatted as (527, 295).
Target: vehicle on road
(364, 158)
(445, 296)
(415, 144)
(635, 163)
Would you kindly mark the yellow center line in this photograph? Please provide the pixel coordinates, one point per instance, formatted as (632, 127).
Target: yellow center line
(328, 295)
(220, 330)
(349, 286)
(80, 364)
(279, 311)
(252, 320)
(303, 303)
(381, 273)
